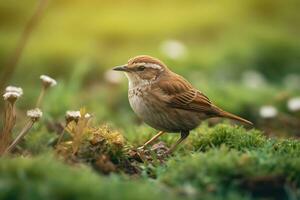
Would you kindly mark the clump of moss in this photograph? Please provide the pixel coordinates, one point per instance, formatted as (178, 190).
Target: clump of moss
(234, 137)
(46, 178)
(103, 148)
(229, 160)
(289, 147)
(256, 172)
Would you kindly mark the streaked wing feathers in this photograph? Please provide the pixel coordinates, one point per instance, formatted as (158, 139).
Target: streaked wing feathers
(183, 96)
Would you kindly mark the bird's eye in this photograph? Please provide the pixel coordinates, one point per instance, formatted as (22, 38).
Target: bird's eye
(141, 68)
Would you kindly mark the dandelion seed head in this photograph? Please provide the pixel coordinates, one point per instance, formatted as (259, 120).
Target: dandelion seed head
(35, 114)
(48, 81)
(293, 104)
(268, 111)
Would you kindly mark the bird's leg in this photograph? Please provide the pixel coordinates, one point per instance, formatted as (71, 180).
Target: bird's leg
(184, 135)
(152, 139)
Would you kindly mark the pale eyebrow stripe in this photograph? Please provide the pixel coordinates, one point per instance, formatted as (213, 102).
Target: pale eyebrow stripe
(151, 65)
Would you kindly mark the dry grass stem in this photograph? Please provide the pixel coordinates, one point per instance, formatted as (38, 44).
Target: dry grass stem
(70, 116)
(61, 135)
(34, 116)
(10, 96)
(9, 123)
(40, 98)
(15, 57)
(24, 131)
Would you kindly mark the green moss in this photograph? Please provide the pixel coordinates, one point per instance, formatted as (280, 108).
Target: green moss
(38, 140)
(226, 161)
(221, 162)
(223, 170)
(46, 178)
(234, 137)
(288, 147)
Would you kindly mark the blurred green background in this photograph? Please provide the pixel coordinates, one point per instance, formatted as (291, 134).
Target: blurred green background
(242, 54)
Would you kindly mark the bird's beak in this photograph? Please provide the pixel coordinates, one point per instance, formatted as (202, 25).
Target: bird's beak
(121, 68)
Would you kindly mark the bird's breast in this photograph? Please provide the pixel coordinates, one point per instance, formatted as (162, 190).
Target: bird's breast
(157, 114)
(146, 106)
(138, 101)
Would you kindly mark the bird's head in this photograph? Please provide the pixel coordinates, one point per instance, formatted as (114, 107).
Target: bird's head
(142, 69)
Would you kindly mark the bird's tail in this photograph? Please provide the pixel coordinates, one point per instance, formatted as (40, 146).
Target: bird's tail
(225, 114)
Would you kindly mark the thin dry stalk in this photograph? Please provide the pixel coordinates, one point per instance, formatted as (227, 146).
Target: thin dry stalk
(77, 126)
(9, 123)
(47, 82)
(78, 134)
(71, 116)
(15, 57)
(34, 115)
(61, 135)
(21, 135)
(41, 97)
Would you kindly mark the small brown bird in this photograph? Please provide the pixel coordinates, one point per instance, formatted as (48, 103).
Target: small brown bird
(165, 100)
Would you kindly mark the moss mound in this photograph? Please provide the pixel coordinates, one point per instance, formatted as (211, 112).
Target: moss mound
(46, 178)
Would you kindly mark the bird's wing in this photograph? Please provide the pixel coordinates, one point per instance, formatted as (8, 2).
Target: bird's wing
(180, 94)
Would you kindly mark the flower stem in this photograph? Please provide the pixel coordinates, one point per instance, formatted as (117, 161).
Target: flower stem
(61, 135)
(15, 57)
(24, 131)
(41, 97)
(9, 123)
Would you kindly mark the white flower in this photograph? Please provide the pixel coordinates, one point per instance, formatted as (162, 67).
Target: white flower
(189, 189)
(268, 111)
(87, 116)
(48, 81)
(14, 89)
(173, 49)
(113, 77)
(253, 79)
(293, 104)
(11, 96)
(35, 114)
(74, 114)
(12, 93)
